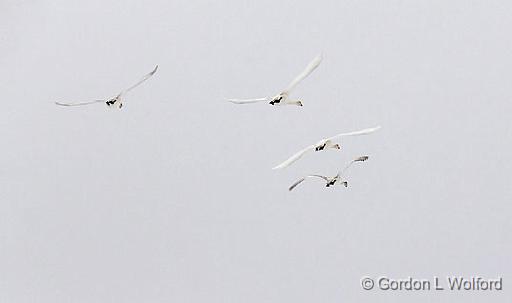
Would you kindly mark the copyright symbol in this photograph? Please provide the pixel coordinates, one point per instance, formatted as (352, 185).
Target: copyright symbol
(367, 283)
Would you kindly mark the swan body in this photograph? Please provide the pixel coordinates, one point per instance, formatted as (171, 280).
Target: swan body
(116, 101)
(324, 144)
(283, 98)
(331, 181)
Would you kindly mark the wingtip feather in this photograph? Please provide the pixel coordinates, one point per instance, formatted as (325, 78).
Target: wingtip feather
(154, 71)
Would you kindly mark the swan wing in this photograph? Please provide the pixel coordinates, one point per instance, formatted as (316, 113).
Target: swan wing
(78, 103)
(358, 159)
(247, 101)
(139, 82)
(294, 158)
(308, 70)
(304, 178)
(365, 131)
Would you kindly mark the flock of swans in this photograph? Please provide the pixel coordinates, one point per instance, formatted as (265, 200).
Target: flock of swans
(283, 98)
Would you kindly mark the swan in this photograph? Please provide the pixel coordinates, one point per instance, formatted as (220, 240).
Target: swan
(117, 100)
(325, 144)
(283, 97)
(331, 181)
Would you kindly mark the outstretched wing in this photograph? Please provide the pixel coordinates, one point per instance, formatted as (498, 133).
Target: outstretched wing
(140, 82)
(358, 159)
(308, 70)
(247, 101)
(365, 131)
(302, 180)
(79, 103)
(294, 158)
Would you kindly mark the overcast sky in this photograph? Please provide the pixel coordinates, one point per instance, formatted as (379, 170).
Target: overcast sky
(172, 199)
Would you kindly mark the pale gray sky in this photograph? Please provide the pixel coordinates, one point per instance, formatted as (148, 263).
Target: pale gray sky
(173, 198)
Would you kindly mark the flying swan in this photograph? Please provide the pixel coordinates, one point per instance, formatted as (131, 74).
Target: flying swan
(324, 144)
(283, 97)
(331, 181)
(117, 100)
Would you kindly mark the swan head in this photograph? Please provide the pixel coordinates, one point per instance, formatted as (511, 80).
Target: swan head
(336, 146)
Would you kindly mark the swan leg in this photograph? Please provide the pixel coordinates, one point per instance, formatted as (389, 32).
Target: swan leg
(276, 100)
(320, 147)
(331, 183)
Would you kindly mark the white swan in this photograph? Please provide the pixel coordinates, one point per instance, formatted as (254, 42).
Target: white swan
(324, 144)
(283, 97)
(331, 181)
(117, 100)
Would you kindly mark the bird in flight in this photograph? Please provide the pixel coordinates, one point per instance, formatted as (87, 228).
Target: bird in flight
(114, 101)
(331, 181)
(283, 97)
(324, 144)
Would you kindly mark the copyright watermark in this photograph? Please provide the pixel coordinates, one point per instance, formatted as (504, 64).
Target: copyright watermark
(450, 283)
(367, 283)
